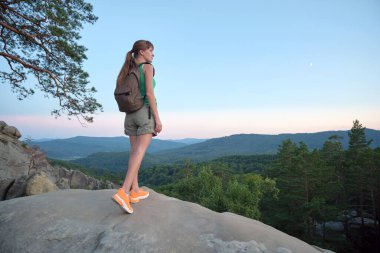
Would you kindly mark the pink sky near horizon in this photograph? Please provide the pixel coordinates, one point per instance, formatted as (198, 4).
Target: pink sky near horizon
(210, 124)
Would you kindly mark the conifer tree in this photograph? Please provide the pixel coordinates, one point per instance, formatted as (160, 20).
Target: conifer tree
(292, 179)
(358, 171)
(359, 181)
(39, 43)
(330, 187)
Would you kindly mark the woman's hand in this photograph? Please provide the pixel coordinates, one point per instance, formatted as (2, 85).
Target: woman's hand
(158, 126)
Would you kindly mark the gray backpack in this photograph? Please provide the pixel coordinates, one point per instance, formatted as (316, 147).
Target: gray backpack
(127, 93)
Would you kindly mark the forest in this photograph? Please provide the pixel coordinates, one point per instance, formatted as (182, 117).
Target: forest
(327, 197)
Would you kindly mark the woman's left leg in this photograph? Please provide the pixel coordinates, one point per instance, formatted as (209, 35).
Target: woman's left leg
(135, 183)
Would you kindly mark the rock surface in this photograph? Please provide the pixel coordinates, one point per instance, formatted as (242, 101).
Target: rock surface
(19, 164)
(89, 221)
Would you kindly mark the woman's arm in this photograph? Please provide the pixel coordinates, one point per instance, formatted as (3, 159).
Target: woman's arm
(148, 71)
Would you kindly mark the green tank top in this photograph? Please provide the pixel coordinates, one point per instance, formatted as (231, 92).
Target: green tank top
(142, 84)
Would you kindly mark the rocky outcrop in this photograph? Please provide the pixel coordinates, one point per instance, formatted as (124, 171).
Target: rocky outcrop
(10, 131)
(89, 221)
(39, 183)
(25, 170)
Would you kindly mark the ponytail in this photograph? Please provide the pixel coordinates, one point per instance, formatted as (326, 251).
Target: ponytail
(128, 64)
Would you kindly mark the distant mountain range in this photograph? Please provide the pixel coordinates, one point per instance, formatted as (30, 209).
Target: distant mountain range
(249, 144)
(82, 146)
(240, 144)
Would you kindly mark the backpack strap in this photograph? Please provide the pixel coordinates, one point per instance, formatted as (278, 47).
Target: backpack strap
(147, 63)
(142, 65)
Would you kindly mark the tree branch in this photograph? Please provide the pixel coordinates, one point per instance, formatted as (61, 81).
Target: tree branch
(22, 77)
(27, 65)
(25, 17)
(55, 79)
(2, 37)
(28, 36)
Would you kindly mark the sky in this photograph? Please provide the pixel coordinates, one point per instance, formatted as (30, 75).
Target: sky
(227, 67)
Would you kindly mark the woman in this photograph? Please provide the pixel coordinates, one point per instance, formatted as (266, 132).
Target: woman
(141, 125)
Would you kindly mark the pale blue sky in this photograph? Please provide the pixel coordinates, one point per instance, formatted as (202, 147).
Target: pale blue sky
(228, 67)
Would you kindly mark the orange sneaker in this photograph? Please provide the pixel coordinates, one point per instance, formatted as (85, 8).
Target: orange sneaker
(134, 200)
(141, 194)
(123, 200)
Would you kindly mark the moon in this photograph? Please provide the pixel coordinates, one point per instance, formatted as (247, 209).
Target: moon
(310, 64)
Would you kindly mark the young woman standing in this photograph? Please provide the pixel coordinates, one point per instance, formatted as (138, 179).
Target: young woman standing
(141, 125)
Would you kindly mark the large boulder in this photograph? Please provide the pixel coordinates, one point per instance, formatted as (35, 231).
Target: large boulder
(39, 183)
(9, 130)
(14, 159)
(89, 221)
(78, 180)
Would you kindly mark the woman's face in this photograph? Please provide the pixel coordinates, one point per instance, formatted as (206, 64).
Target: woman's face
(147, 54)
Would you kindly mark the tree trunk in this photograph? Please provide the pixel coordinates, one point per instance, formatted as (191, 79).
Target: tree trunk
(376, 220)
(324, 231)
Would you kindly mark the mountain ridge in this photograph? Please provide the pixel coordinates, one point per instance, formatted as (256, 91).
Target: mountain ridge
(83, 146)
(241, 144)
(247, 144)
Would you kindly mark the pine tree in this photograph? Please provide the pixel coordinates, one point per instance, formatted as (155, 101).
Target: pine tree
(291, 172)
(359, 184)
(357, 158)
(38, 41)
(330, 188)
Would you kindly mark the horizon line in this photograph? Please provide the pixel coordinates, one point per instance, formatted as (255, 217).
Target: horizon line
(176, 139)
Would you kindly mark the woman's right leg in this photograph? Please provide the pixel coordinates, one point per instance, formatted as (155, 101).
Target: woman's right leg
(135, 159)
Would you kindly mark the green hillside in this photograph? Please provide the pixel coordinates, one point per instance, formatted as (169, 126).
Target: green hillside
(165, 174)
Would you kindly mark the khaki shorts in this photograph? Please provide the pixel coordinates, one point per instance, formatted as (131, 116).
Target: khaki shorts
(139, 123)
